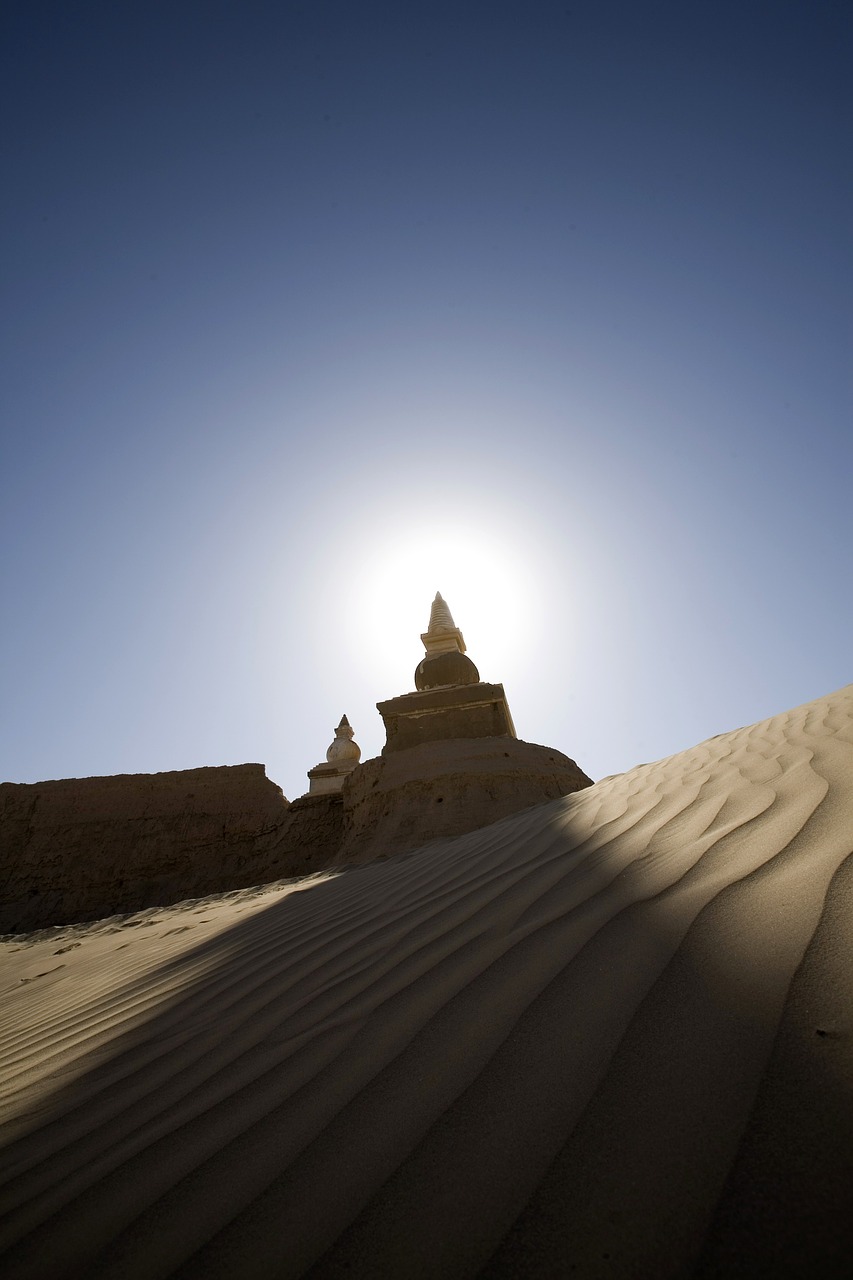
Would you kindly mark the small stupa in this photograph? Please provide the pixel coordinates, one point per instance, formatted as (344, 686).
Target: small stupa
(451, 700)
(341, 758)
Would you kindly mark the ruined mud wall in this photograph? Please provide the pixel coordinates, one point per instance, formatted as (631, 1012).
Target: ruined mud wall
(83, 848)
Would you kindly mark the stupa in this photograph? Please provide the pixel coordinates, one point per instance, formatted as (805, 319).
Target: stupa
(341, 758)
(451, 762)
(451, 701)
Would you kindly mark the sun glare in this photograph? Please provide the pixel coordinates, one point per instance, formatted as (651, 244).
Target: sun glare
(484, 580)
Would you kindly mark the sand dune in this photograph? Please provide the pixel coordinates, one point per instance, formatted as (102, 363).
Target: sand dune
(608, 1036)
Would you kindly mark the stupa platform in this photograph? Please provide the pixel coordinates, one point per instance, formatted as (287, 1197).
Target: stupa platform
(437, 715)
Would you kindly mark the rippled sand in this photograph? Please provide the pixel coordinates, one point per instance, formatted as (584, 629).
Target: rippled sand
(609, 1036)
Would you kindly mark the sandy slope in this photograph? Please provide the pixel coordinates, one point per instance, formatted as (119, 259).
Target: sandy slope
(608, 1036)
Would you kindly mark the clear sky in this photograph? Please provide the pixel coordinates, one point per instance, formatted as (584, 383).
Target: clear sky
(314, 309)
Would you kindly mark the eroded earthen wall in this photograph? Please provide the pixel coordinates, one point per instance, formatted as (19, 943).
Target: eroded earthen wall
(83, 848)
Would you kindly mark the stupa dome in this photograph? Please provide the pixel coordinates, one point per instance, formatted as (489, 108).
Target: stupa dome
(439, 669)
(343, 750)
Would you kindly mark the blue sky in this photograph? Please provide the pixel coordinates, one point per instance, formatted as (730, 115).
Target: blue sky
(312, 310)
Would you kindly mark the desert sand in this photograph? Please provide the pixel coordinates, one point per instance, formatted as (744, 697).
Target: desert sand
(608, 1036)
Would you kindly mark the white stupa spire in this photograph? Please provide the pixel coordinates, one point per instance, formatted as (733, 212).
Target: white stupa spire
(440, 617)
(442, 635)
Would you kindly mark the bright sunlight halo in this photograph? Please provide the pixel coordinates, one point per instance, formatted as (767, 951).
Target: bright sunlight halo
(482, 578)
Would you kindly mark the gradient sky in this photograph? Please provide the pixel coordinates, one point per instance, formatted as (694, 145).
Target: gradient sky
(315, 309)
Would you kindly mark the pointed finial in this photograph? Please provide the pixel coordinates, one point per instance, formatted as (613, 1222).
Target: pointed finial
(440, 618)
(442, 635)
